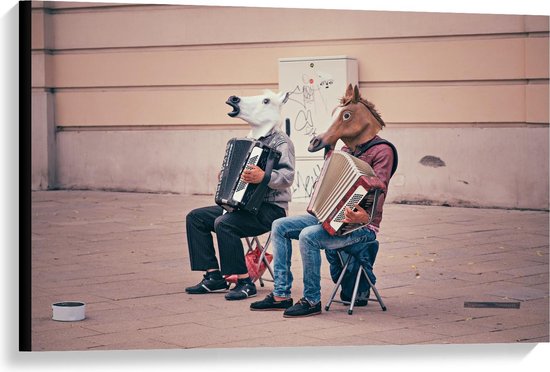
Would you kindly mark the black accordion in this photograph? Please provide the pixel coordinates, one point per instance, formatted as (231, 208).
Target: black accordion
(233, 193)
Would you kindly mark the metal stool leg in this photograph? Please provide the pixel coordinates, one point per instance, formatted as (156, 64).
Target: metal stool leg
(249, 243)
(265, 261)
(373, 287)
(355, 289)
(338, 283)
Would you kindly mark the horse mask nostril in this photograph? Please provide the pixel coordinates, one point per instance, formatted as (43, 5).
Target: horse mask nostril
(233, 101)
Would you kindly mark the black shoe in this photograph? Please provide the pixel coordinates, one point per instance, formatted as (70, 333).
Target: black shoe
(303, 308)
(242, 290)
(210, 283)
(358, 301)
(269, 303)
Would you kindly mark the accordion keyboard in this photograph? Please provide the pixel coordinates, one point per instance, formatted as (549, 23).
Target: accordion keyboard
(351, 203)
(253, 159)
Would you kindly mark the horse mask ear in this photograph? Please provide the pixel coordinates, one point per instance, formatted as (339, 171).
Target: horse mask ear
(284, 97)
(349, 91)
(356, 94)
(348, 96)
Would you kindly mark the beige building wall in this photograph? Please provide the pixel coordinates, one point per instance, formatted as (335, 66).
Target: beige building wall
(131, 97)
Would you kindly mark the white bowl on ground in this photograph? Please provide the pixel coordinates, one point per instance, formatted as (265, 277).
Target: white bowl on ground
(69, 311)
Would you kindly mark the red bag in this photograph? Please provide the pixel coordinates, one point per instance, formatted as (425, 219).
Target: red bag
(255, 268)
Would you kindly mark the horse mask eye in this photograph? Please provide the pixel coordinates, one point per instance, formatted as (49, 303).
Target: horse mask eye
(266, 101)
(346, 115)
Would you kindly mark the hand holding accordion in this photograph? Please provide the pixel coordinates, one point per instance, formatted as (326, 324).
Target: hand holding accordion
(356, 215)
(252, 174)
(345, 182)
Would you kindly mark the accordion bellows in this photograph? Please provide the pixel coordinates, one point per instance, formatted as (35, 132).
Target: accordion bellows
(232, 193)
(345, 181)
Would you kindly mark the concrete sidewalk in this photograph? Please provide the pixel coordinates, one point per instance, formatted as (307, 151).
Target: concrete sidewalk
(125, 255)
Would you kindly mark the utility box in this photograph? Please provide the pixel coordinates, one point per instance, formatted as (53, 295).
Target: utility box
(316, 85)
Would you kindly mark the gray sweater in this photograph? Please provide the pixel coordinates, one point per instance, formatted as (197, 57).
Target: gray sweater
(282, 176)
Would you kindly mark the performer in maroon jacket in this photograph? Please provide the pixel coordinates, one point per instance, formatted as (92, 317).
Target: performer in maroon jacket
(357, 124)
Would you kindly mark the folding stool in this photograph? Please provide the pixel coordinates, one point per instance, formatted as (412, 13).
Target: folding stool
(253, 243)
(361, 272)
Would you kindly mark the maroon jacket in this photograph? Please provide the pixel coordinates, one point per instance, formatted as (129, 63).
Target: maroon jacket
(381, 159)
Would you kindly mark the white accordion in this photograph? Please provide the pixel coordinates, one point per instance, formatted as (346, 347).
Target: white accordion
(345, 181)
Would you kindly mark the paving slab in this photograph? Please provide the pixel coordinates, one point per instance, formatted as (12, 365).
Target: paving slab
(125, 255)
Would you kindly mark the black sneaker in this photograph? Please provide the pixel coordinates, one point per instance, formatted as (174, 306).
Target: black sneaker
(242, 290)
(269, 303)
(358, 301)
(303, 308)
(210, 283)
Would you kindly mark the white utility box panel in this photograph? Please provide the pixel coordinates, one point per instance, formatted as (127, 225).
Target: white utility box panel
(316, 85)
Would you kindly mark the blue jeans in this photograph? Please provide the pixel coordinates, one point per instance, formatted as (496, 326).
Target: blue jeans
(312, 238)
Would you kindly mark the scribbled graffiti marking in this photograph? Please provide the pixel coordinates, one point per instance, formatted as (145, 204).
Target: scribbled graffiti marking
(304, 123)
(304, 184)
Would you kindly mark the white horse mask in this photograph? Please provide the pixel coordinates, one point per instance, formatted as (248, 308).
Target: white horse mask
(262, 112)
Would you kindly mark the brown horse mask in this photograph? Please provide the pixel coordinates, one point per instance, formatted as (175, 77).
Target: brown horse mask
(356, 122)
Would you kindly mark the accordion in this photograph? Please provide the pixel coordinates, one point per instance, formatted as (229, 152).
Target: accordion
(233, 193)
(345, 181)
